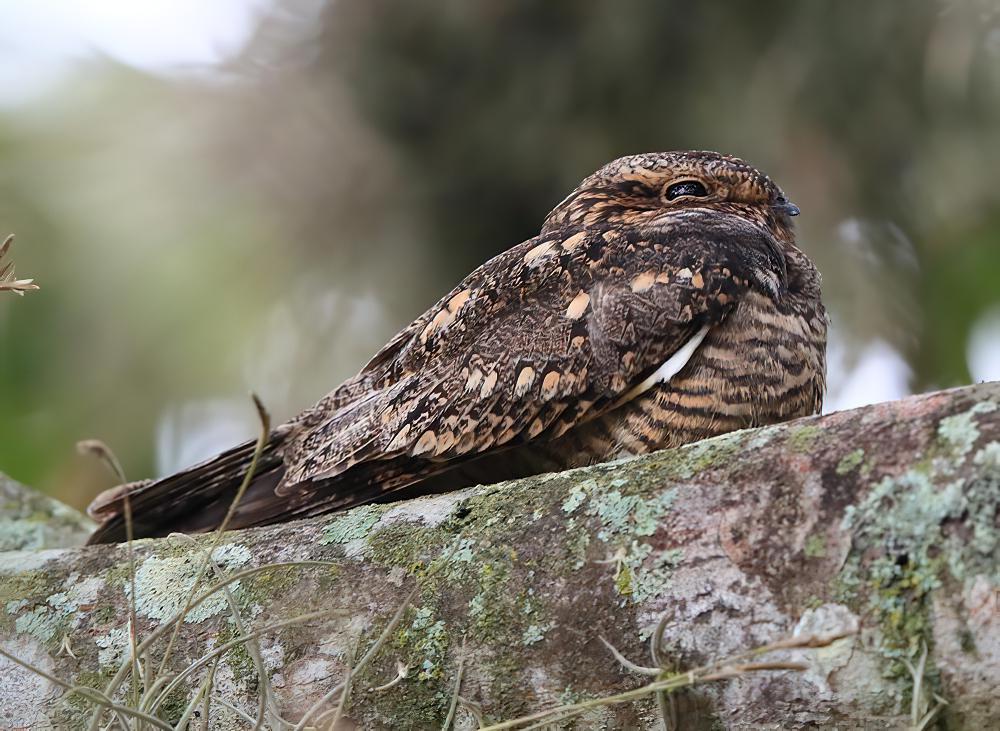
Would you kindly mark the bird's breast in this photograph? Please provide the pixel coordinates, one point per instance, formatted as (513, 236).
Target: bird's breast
(765, 363)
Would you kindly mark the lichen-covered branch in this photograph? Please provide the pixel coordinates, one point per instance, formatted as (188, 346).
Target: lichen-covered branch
(881, 520)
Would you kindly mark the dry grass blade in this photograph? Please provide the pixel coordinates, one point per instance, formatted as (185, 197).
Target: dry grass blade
(372, 651)
(239, 712)
(91, 694)
(458, 687)
(266, 706)
(625, 662)
(265, 422)
(160, 631)
(338, 712)
(236, 642)
(133, 628)
(265, 431)
(101, 451)
(204, 691)
(7, 281)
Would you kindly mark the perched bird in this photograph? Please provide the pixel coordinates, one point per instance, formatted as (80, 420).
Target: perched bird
(664, 301)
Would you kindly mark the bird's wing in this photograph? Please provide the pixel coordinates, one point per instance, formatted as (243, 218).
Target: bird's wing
(551, 333)
(543, 337)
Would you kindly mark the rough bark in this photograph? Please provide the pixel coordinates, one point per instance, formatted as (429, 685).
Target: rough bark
(882, 519)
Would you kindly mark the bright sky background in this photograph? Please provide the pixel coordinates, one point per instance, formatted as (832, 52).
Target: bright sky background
(40, 38)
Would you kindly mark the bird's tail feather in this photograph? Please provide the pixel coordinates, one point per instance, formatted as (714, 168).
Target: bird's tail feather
(193, 500)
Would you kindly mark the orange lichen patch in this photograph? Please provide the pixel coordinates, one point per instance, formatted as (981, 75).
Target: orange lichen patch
(549, 384)
(538, 251)
(488, 384)
(456, 302)
(643, 282)
(578, 306)
(524, 380)
(573, 241)
(427, 443)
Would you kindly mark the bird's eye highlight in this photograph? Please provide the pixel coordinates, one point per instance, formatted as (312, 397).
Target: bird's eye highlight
(686, 187)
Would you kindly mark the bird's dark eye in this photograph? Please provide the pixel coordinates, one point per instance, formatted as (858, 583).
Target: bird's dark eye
(686, 187)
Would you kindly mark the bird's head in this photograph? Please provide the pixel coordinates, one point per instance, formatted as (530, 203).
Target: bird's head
(641, 189)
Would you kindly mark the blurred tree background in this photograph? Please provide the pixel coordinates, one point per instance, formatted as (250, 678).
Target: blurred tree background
(267, 219)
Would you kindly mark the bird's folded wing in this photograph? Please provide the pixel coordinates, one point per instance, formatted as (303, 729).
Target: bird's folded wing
(539, 339)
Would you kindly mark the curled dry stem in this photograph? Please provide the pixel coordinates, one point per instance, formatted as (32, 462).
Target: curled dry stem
(7, 281)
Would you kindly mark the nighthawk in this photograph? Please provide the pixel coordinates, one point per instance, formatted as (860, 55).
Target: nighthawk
(664, 301)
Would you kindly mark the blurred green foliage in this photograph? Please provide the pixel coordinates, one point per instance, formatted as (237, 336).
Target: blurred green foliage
(269, 226)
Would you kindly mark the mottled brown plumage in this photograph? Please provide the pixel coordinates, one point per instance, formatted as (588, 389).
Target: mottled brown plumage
(664, 301)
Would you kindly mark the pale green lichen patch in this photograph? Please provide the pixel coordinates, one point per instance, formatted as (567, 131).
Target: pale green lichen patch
(352, 526)
(802, 439)
(640, 573)
(850, 461)
(113, 646)
(691, 459)
(162, 585)
(15, 605)
(903, 548)
(961, 431)
(763, 436)
(535, 633)
(59, 614)
(41, 623)
(577, 495)
(989, 456)
(624, 515)
(32, 521)
(430, 641)
(815, 546)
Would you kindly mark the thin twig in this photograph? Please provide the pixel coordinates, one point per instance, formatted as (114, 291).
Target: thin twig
(203, 690)
(207, 701)
(157, 633)
(243, 714)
